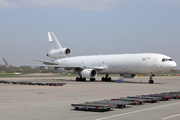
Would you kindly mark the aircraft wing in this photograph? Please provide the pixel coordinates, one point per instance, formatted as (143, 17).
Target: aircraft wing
(55, 64)
(74, 67)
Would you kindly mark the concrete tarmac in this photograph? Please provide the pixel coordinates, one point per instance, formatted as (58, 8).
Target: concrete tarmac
(33, 102)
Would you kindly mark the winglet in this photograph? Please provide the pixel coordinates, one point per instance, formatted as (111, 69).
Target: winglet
(55, 43)
(6, 63)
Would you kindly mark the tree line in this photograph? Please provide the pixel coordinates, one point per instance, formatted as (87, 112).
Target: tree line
(26, 69)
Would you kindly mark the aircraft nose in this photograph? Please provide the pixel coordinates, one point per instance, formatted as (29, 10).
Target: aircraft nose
(173, 64)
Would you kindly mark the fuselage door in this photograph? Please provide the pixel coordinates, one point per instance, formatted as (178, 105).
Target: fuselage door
(154, 68)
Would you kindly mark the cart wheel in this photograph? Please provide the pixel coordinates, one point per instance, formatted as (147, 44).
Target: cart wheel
(77, 108)
(108, 109)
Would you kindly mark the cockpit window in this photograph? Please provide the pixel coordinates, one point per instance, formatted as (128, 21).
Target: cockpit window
(165, 59)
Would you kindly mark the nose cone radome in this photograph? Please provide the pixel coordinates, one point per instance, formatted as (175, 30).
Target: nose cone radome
(173, 64)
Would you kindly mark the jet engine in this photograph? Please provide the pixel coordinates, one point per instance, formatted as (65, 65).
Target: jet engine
(89, 73)
(129, 75)
(59, 53)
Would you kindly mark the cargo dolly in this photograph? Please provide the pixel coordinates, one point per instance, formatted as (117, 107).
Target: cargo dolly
(171, 96)
(55, 84)
(168, 96)
(137, 101)
(7, 81)
(146, 99)
(23, 82)
(3, 81)
(41, 83)
(32, 83)
(14, 82)
(105, 105)
(117, 104)
(159, 97)
(128, 101)
(93, 106)
(165, 97)
(174, 95)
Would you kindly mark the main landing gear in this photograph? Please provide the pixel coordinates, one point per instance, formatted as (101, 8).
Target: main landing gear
(107, 78)
(80, 79)
(84, 79)
(151, 81)
(92, 79)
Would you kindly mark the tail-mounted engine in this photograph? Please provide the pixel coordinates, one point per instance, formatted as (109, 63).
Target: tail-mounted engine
(59, 53)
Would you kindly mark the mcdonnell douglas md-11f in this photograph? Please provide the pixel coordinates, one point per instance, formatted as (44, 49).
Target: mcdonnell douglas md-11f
(127, 65)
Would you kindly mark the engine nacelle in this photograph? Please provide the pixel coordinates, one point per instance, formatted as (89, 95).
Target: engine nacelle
(129, 75)
(89, 73)
(59, 53)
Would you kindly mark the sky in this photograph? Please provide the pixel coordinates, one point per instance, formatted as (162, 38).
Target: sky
(88, 27)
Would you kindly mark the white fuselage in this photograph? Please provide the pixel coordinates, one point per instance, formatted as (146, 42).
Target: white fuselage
(143, 63)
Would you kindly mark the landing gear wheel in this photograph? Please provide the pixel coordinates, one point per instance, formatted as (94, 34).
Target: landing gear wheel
(102, 79)
(106, 79)
(151, 81)
(77, 79)
(80, 79)
(83, 79)
(92, 79)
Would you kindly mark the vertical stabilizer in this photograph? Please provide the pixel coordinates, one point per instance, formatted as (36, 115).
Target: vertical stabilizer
(6, 63)
(55, 43)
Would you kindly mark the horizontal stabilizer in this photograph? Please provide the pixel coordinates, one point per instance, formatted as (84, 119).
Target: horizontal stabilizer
(46, 62)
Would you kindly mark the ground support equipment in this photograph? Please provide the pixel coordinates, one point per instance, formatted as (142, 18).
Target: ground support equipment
(118, 104)
(93, 106)
(145, 99)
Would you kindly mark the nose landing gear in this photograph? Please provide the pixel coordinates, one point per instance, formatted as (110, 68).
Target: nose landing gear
(151, 81)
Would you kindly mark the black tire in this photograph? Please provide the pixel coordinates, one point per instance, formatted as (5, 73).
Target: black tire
(102, 79)
(108, 109)
(120, 106)
(76, 108)
(151, 81)
(92, 79)
(83, 79)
